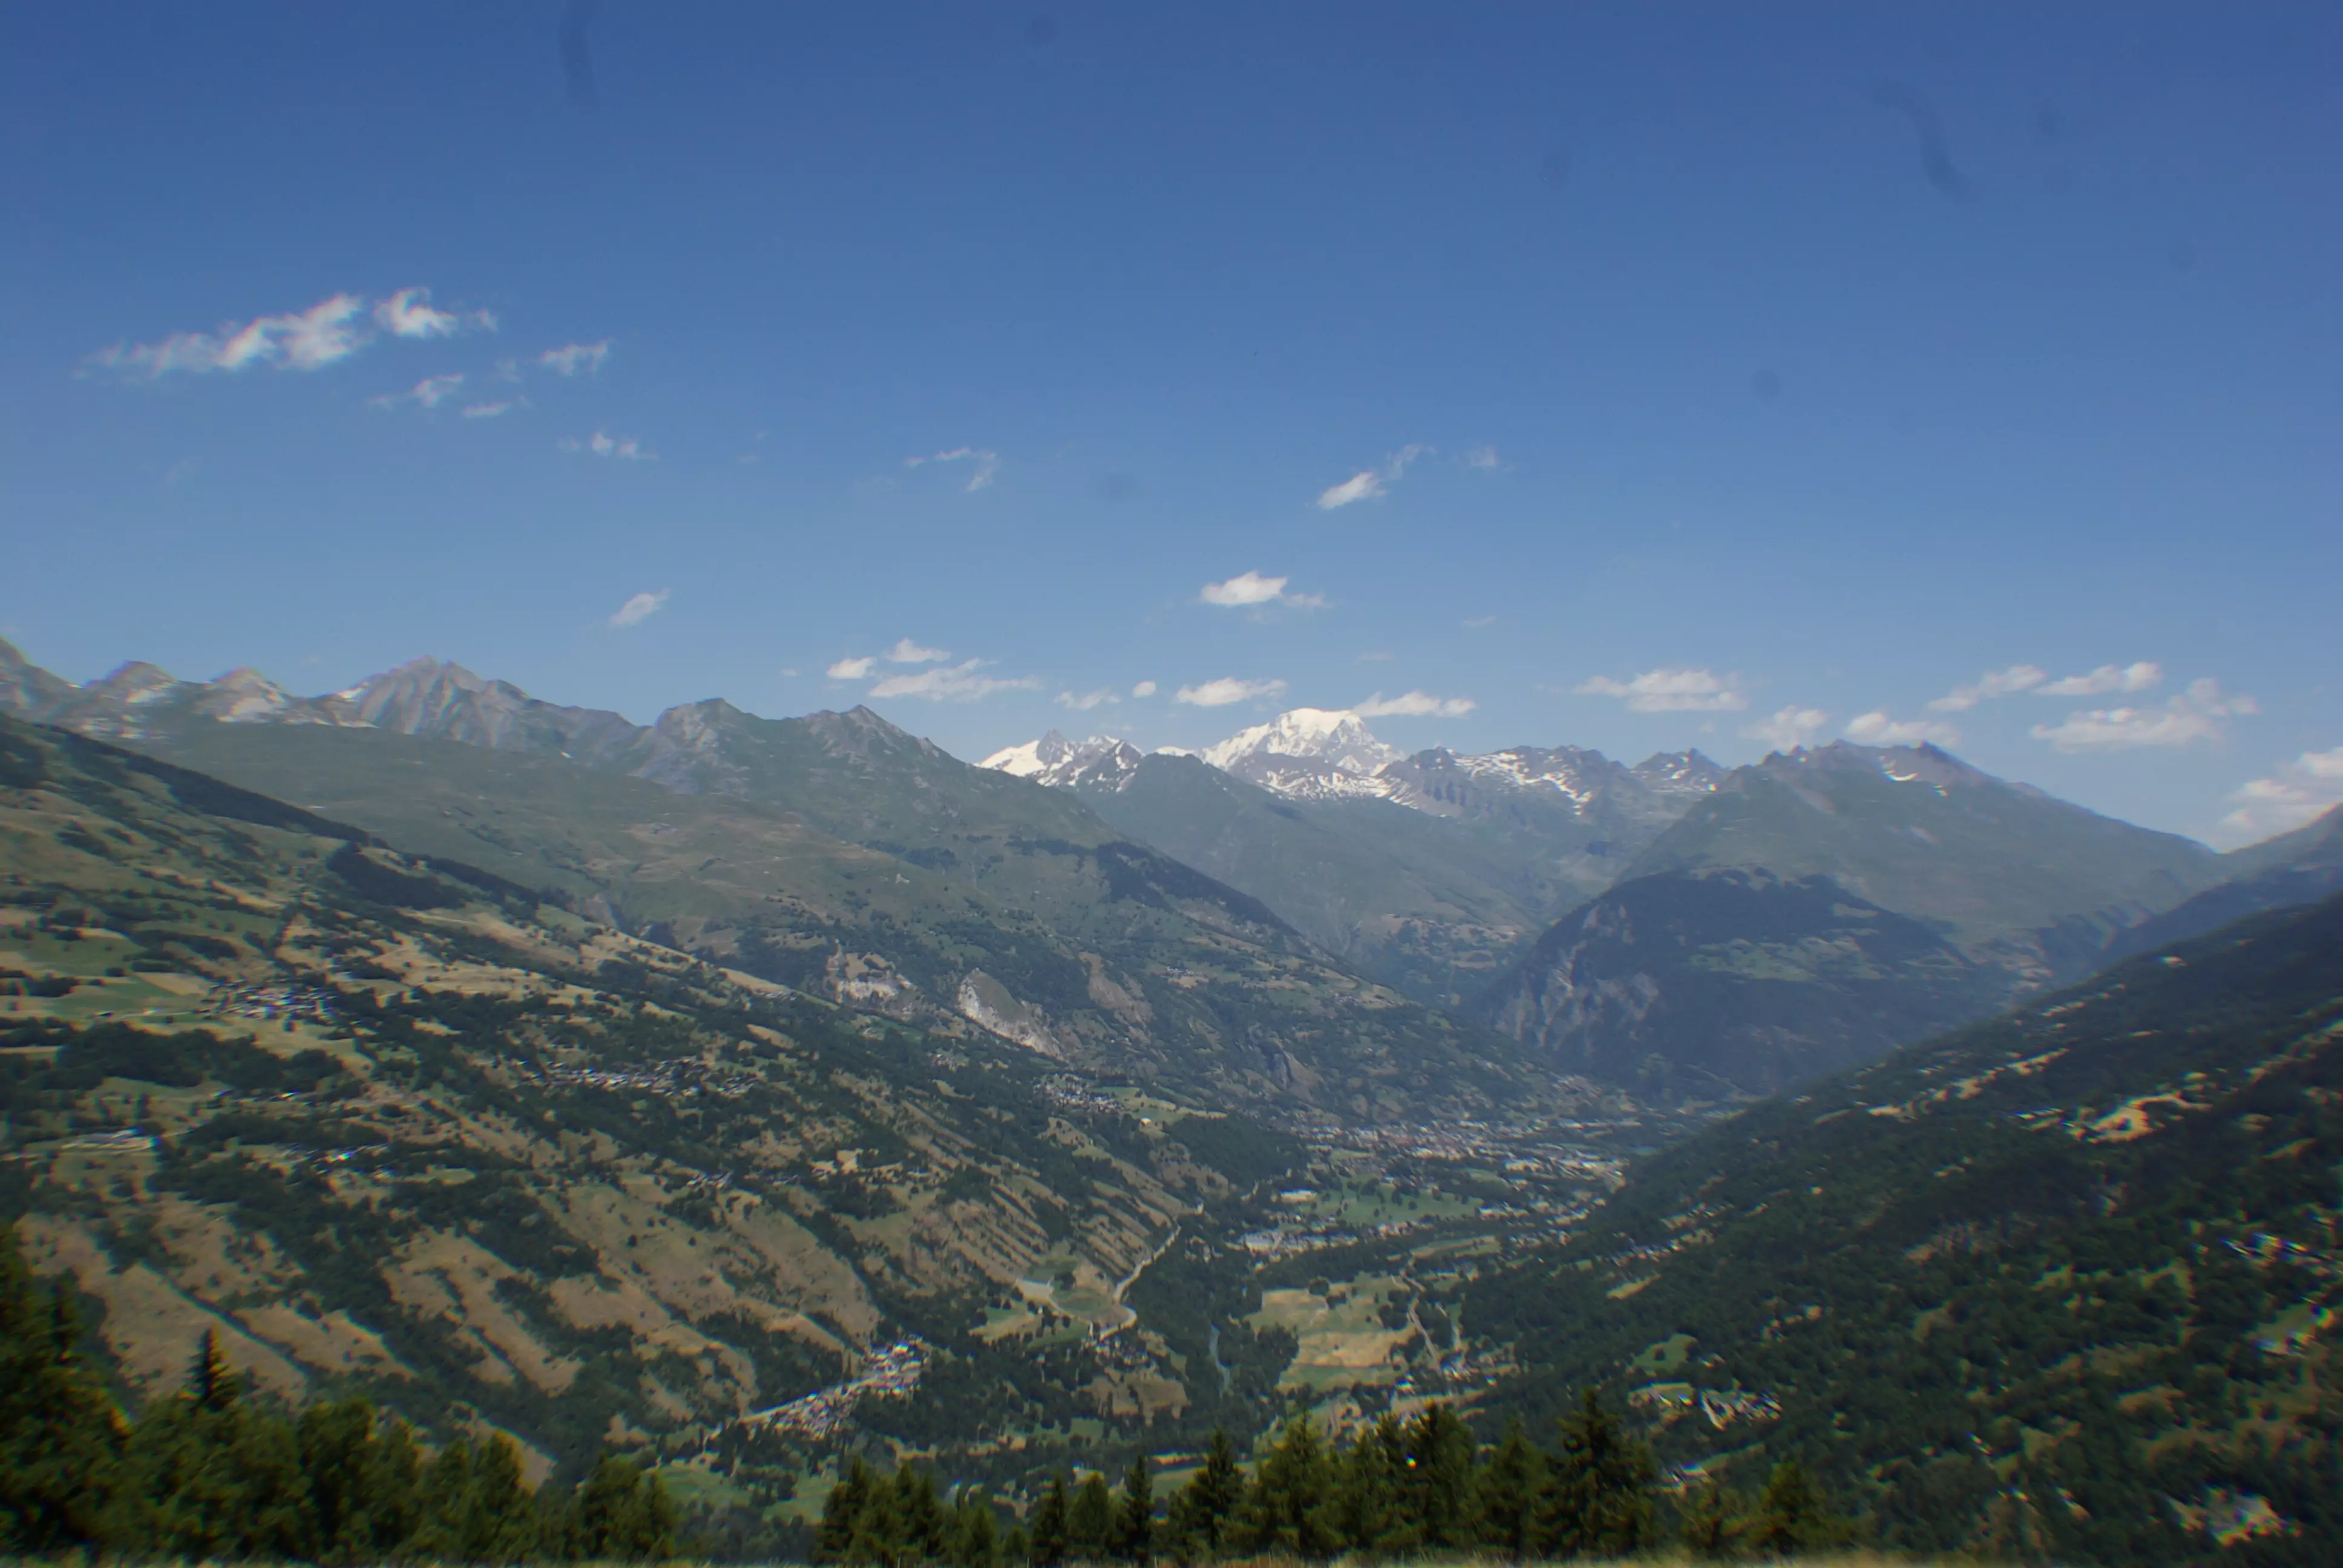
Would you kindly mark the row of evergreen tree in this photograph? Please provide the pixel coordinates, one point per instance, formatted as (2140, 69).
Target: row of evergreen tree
(213, 1472)
(1393, 1489)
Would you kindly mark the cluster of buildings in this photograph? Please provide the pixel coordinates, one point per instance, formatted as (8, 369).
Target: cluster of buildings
(685, 1075)
(272, 1003)
(890, 1371)
(1720, 1407)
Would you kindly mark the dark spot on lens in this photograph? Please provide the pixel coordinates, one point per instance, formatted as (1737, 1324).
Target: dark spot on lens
(1764, 386)
(1042, 32)
(1553, 169)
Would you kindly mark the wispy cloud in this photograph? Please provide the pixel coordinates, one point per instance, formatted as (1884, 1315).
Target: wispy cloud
(906, 651)
(2300, 791)
(857, 668)
(1227, 689)
(1992, 683)
(952, 683)
(2107, 678)
(1414, 705)
(327, 332)
(625, 448)
(1368, 483)
(1083, 701)
(488, 410)
(2033, 678)
(640, 609)
(410, 314)
(1876, 728)
(1789, 729)
(429, 393)
(986, 464)
(1482, 457)
(2195, 716)
(1672, 690)
(1252, 589)
(576, 359)
(1144, 688)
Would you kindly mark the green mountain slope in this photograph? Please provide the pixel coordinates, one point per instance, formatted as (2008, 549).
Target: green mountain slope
(976, 899)
(2065, 1284)
(1434, 907)
(1699, 985)
(2018, 878)
(2298, 867)
(397, 1127)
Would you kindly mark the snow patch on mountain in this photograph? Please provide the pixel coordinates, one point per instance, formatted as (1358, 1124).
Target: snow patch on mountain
(1061, 763)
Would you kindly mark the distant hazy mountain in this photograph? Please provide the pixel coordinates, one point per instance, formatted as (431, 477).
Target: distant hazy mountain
(1705, 984)
(836, 853)
(2014, 876)
(2298, 867)
(1431, 871)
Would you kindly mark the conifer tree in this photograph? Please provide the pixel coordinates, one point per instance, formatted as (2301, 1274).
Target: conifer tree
(1602, 1487)
(60, 1439)
(1049, 1524)
(1371, 1515)
(841, 1512)
(1202, 1511)
(1090, 1524)
(1792, 1514)
(1439, 1487)
(1513, 1497)
(1712, 1523)
(1290, 1508)
(1134, 1517)
(919, 1527)
(207, 1473)
(619, 1513)
(975, 1535)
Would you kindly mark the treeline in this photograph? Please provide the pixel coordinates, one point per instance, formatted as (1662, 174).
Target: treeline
(1393, 1489)
(213, 1471)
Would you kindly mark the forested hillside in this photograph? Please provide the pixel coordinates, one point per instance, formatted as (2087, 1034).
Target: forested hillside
(2063, 1284)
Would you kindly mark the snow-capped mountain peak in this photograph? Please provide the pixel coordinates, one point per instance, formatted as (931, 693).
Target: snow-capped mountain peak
(1055, 761)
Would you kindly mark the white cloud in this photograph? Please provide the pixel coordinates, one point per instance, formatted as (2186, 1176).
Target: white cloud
(1482, 457)
(906, 651)
(311, 339)
(1476, 622)
(1789, 729)
(410, 314)
(1672, 691)
(1144, 688)
(2107, 678)
(951, 683)
(603, 446)
(1083, 701)
(851, 668)
(1992, 683)
(487, 411)
(1414, 705)
(640, 609)
(2299, 791)
(1245, 587)
(1876, 728)
(987, 464)
(576, 359)
(1250, 587)
(2194, 714)
(429, 392)
(1227, 689)
(1368, 483)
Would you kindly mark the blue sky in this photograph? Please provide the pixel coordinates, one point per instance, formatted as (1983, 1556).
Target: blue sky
(1685, 375)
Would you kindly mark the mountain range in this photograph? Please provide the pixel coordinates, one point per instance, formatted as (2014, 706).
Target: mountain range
(835, 853)
(1462, 927)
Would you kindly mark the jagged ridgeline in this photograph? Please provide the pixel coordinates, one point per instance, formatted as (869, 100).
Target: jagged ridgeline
(840, 855)
(395, 1126)
(2060, 1285)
